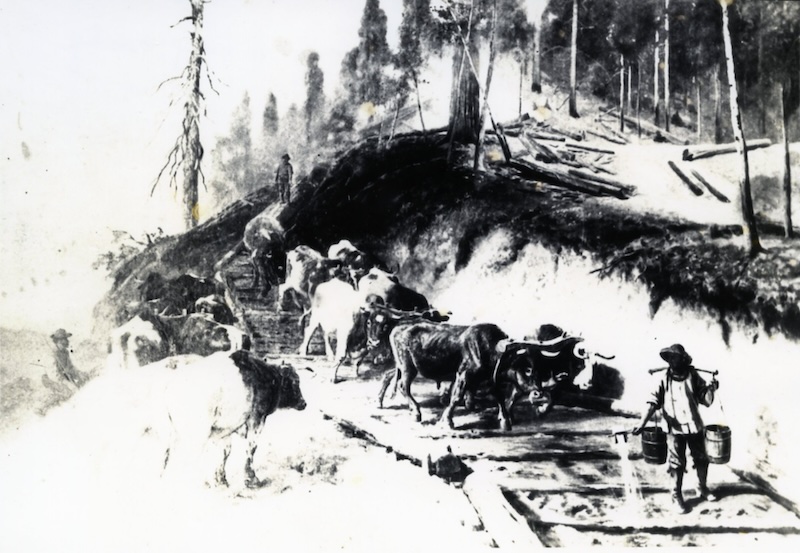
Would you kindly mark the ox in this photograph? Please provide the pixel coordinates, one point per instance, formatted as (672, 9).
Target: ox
(264, 239)
(174, 296)
(560, 362)
(147, 338)
(216, 307)
(381, 319)
(383, 285)
(306, 269)
(337, 308)
(214, 398)
(469, 356)
(355, 263)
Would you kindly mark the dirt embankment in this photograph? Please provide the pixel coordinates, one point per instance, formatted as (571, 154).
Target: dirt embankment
(497, 248)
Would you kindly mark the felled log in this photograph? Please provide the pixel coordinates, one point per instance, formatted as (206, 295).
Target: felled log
(546, 136)
(605, 136)
(614, 131)
(568, 134)
(708, 150)
(686, 179)
(547, 154)
(589, 148)
(650, 129)
(550, 175)
(716, 193)
(626, 188)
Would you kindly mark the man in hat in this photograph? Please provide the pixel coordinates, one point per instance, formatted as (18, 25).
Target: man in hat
(679, 393)
(64, 367)
(283, 178)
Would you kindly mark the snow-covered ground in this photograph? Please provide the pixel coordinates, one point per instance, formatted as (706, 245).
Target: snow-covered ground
(87, 477)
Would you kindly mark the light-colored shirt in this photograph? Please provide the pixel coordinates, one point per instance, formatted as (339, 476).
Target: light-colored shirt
(679, 401)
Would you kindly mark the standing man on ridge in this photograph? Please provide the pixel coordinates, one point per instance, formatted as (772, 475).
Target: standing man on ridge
(283, 178)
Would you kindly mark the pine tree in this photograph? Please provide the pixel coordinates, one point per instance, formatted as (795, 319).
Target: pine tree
(373, 55)
(270, 122)
(234, 172)
(315, 96)
(416, 32)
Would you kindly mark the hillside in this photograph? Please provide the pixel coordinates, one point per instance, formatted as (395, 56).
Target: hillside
(381, 198)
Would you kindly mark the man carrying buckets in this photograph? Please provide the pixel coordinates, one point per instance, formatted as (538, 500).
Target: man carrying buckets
(679, 393)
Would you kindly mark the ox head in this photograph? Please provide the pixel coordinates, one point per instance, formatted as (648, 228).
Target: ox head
(291, 394)
(382, 319)
(584, 379)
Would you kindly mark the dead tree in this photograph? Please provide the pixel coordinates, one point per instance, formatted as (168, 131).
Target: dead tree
(187, 153)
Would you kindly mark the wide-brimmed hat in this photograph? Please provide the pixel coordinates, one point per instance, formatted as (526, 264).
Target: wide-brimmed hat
(676, 352)
(286, 157)
(60, 334)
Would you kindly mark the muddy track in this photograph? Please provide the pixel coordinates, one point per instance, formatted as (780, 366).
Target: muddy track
(552, 481)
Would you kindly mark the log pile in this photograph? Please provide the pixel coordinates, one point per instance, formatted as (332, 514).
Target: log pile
(568, 164)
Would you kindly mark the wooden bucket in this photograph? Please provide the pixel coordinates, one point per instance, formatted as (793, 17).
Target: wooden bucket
(654, 445)
(718, 443)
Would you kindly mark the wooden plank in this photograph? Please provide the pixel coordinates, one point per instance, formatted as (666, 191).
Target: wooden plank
(506, 526)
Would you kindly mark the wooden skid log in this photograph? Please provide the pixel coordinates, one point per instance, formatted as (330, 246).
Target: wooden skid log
(686, 179)
(707, 150)
(716, 193)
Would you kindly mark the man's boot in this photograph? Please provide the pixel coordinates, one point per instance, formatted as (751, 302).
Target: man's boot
(702, 477)
(678, 505)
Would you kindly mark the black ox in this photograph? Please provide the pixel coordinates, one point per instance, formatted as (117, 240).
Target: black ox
(469, 356)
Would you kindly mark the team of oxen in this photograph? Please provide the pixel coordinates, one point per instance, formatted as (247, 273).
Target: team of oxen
(355, 301)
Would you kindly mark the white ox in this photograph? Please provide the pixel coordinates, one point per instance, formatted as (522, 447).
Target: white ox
(337, 308)
(200, 403)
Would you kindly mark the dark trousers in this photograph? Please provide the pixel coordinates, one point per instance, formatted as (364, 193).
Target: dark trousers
(677, 453)
(284, 188)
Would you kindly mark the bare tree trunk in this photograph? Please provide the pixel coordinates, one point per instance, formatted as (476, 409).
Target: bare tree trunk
(419, 102)
(718, 104)
(484, 109)
(573, 64)
(521, 78)
(666, 65)
(536, 85)
(736, 122)
(656, 91)
(461, 92)
(630, 88)
(787, 167)
(638, 96)
(697, 107)
(762, 89)
(621, 93)
(191, 121)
